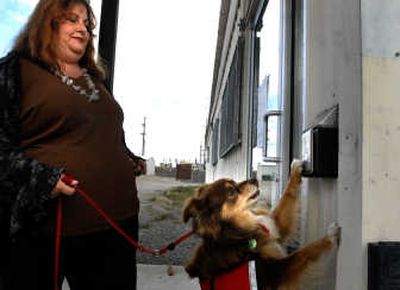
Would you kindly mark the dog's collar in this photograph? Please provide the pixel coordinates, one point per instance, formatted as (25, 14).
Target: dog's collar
(253, 242)
(264, 228)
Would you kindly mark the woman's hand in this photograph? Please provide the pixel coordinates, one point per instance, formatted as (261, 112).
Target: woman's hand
(63, 188)
(140, 167)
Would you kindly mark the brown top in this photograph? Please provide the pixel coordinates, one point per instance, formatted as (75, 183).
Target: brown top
(62, 128)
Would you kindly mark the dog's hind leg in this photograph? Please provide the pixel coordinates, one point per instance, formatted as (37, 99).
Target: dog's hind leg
(299, 261)
(285, 214)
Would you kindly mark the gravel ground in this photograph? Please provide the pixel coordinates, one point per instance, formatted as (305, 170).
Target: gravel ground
(160, 223)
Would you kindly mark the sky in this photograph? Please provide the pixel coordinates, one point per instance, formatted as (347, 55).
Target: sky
(13, 14)
(163, 71)
(164, 67)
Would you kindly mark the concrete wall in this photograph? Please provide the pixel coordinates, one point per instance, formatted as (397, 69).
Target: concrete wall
(332, 76)
(381, 121)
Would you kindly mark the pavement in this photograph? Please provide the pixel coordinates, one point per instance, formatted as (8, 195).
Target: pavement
(155, 277)
(151, 185)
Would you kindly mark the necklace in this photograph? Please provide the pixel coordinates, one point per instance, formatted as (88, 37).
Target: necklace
(92, 95)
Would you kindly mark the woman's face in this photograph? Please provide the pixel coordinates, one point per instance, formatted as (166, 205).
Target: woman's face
(72, 35)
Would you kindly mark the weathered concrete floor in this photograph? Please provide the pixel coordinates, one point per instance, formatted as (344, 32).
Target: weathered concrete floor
(155, 277)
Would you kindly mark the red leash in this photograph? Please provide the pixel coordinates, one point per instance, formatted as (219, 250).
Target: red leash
(68, 180)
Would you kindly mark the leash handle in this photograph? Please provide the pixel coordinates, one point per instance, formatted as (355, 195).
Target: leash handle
(68, 180)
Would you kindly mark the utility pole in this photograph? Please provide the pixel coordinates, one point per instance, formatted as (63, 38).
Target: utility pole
(143, 136)
(202, 155)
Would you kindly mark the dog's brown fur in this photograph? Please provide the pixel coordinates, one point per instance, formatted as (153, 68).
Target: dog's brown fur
(223, 215)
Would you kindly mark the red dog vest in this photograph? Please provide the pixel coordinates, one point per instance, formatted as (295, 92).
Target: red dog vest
(238, 279)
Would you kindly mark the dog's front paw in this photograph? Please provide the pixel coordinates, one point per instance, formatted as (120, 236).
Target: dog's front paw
(334, 234)
(296, 168)
(192, 270)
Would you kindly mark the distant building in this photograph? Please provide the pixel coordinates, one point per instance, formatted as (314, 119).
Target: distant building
(151, 166)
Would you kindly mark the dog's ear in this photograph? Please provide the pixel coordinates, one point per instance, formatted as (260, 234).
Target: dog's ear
(191, 205)
(190, 208)
(205, 223)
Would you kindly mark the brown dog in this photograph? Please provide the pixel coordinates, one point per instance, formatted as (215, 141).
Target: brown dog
(233, 231)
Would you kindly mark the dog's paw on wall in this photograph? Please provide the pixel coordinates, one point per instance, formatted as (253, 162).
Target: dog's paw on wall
(334, 234)
(296, 168)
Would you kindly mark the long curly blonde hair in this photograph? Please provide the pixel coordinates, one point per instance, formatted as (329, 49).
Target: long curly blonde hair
(36, 38)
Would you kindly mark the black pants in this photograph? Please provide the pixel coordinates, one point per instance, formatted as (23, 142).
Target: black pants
(97, 261)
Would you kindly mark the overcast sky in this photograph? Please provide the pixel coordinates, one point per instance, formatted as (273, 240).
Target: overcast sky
(13, 14)
(164, 66)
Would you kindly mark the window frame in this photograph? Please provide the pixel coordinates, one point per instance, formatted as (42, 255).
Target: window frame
(230, 120)
(215, 142)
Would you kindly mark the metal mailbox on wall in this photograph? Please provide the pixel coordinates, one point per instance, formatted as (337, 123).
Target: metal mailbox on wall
(320, 152)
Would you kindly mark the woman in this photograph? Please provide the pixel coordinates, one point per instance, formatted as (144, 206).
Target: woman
(56, 118)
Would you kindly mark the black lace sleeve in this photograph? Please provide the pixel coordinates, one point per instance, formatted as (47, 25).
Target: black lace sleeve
(24, 181)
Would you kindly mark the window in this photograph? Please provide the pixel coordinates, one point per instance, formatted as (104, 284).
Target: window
(271, 143)
(266, 159)
(215, 136)
(230, 114)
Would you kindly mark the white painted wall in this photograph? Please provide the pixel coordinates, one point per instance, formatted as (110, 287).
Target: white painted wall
(381, 122)
(381, 143)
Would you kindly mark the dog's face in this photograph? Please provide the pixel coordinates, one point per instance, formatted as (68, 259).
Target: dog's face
(219, 202)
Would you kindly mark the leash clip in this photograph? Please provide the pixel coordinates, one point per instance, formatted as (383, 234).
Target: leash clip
(156, 253)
